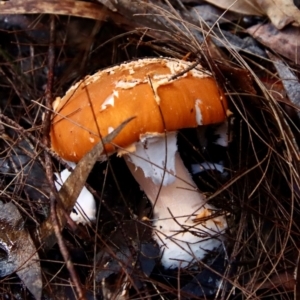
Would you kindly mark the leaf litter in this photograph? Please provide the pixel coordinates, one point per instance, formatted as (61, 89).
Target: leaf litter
(21, 254)
(262, 194)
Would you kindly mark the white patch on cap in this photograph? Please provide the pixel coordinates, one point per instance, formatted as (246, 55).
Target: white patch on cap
(164, 77)
(110, 130)
(116, 93)
(74, 86)
(156, 84)
(108, 101)
(127, 84)
(56, 103)
(150, 157)
(177, 66)
(198, 112)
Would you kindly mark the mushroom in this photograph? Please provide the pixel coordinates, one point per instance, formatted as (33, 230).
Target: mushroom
(164, 95)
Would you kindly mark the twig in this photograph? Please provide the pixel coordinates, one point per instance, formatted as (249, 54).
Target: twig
(6, 121)
(49, 170)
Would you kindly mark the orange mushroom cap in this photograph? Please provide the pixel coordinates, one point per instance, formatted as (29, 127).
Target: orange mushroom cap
(156, 91)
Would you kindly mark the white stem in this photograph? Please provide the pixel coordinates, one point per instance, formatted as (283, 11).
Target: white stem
(176, 207)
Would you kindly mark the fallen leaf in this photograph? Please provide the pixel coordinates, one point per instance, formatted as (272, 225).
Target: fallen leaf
(240, 79)
(68, 7)
(22, 256)
(211, 14)
(244, 7)
(289, 80)
(280, 12)
(285, 42)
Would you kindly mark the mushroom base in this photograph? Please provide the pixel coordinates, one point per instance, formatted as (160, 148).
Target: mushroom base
(184, 225)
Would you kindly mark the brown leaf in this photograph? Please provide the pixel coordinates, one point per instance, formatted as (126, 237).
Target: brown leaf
(280, 12)
(22, 256)
(66, 7)
(244, 7)
(285, 42)
(240, 79)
